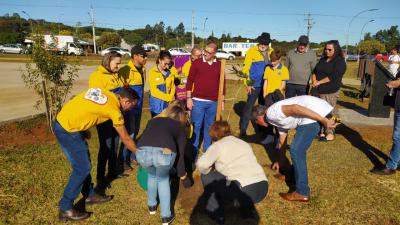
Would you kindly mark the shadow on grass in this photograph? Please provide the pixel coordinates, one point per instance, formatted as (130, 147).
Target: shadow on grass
(358, 142)
(285, 167)
(231, 213)
(350, 88)
(353, 106)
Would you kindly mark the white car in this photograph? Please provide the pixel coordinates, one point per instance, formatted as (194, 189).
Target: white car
(225, 55)
(179, 51)
(121, 51)
(11, 48)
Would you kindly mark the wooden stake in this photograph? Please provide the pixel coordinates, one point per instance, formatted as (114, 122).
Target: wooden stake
(220, 90)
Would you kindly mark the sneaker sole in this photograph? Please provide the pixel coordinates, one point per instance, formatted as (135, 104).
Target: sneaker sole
(152, 212)
(168, 223)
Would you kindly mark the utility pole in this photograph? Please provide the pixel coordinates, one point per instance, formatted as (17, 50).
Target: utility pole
(192, 28)
(309, 24)
(93, 25)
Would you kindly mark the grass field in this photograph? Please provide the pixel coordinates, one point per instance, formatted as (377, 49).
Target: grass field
(343, 191)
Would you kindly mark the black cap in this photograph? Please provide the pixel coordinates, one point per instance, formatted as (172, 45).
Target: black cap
(303, 40)
(138, 50)
(264, 39)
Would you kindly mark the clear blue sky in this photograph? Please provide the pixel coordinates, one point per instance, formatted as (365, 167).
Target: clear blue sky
(284, 20)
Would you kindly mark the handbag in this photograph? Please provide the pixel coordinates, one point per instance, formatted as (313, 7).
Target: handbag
(390, 99)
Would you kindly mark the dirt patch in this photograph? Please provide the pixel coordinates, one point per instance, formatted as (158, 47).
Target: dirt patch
(16, 134)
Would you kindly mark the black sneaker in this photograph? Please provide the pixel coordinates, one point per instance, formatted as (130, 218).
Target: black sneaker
(167, 220)
(152, 209)
(98, 199)
(72, 215)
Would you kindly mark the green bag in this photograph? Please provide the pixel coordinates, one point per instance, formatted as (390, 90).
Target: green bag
(142, 177)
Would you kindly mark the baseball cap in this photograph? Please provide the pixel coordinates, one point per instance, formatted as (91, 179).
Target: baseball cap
(303, 39)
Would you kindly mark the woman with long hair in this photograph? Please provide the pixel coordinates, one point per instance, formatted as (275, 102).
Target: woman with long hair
(161, 82)
(106, 77)
(327, 79)
(157, 157)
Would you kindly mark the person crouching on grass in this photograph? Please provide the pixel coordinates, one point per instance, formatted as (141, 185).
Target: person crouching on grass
(230, 172)
(163, 140)
(88, 109)
(305, 114)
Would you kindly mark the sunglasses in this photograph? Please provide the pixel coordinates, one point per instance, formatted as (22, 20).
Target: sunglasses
(329, 49)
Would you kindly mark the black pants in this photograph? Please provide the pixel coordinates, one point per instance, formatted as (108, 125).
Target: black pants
(217, 191)
(293, 90)
(108, 147)
(256, 94)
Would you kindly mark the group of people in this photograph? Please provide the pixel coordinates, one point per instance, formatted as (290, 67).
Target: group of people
(169, 147)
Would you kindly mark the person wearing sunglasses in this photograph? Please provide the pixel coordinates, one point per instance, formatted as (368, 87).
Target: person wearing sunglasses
(133, 76)
(327, 80)
(161, 82)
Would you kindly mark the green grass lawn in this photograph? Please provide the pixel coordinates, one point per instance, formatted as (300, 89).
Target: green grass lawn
(343, 191)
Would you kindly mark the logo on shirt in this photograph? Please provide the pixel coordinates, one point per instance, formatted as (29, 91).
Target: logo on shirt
(95, 95)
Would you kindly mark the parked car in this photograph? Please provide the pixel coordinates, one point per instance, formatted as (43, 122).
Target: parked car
(225, 55)
(12, 48)
(179, 51)
(382, 57)
(121, 51)
(352, 57)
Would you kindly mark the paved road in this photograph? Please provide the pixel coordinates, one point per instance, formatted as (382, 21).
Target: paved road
(17, 101)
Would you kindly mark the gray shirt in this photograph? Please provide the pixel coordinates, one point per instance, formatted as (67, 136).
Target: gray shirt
(300, 66)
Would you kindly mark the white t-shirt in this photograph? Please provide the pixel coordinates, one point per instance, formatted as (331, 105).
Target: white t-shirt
(276, 117)
(393, 67)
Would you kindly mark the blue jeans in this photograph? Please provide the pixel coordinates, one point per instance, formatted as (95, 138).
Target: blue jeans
(246, 113)
(132, 125)
(293, 90)
(298, 153)
(108, 150)
(158, 165)
(203, 115)
(76, 150)
(394, 157)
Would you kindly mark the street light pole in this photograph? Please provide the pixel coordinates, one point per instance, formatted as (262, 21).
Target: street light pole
(362, 29)
(204, 29)
(30, 20)
(348, 27)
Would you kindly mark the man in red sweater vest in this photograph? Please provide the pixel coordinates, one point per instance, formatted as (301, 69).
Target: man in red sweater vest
(203, 80)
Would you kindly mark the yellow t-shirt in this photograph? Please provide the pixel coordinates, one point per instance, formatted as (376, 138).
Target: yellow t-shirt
(275, 77)
(91, 107)
(103, 79)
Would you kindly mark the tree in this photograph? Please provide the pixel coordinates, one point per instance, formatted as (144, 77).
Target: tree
(109, 39)
(65, 32)
(390, 38)
(134, 39)
(50, 77)
(85, 36)
(180, 30)
(372, 47)
(11, 38)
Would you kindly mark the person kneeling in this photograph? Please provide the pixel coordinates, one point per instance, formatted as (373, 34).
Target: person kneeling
(230, 171)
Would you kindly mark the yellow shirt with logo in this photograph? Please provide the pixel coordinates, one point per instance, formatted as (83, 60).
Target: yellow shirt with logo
(274, 77)
(103, 79)
(91, 107)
